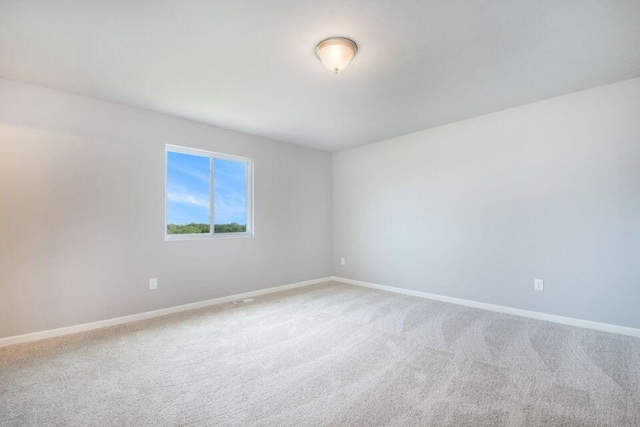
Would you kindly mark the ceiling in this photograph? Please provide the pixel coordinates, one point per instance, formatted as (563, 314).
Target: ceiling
(250, 65)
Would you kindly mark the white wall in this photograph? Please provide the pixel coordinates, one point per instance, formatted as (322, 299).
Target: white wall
(82, 213)
(479, 208)
(476, 209)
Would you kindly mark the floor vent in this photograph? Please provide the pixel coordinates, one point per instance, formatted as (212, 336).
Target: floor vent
(243, 301)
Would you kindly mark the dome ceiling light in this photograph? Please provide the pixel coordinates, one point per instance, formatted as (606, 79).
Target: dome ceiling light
(336, 53)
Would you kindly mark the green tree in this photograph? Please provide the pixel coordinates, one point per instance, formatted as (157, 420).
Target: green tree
(194, 228)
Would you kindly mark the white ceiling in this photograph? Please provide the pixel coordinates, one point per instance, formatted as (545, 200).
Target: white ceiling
(250, 65)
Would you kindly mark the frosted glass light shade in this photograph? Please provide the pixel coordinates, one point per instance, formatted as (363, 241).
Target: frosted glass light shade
(336, 53)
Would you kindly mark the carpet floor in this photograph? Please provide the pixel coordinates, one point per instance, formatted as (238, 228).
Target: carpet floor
(326, 355)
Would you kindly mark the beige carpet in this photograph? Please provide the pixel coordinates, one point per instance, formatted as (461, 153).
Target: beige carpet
(329, 354)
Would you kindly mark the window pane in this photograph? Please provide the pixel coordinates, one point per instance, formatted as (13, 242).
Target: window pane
(188, 194)
(230, 196)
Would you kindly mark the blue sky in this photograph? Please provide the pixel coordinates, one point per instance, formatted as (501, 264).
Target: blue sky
(188, 190)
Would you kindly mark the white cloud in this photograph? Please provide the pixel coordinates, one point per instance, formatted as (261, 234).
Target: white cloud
(231, 207)
(199, 175)
(188, 199)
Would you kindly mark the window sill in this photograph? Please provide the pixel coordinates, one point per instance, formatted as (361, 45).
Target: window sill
(215, 236)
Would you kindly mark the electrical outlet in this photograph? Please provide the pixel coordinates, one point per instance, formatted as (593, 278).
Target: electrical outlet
(153, 283)
(538, 285)
(343, 261)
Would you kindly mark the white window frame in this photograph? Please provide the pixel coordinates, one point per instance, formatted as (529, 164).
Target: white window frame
(212, 217)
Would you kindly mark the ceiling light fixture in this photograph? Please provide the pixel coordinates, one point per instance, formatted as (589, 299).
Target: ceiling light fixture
(336, 53)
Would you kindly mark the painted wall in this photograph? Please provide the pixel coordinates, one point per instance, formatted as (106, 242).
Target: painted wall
(480, 208)
(82, 213)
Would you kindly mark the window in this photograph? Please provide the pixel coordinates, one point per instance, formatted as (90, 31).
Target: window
(207, 194)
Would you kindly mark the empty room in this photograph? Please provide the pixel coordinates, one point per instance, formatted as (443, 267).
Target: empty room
(320, 213)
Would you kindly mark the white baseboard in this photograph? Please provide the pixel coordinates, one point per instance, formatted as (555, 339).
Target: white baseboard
(606, 327)
(35, 336)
